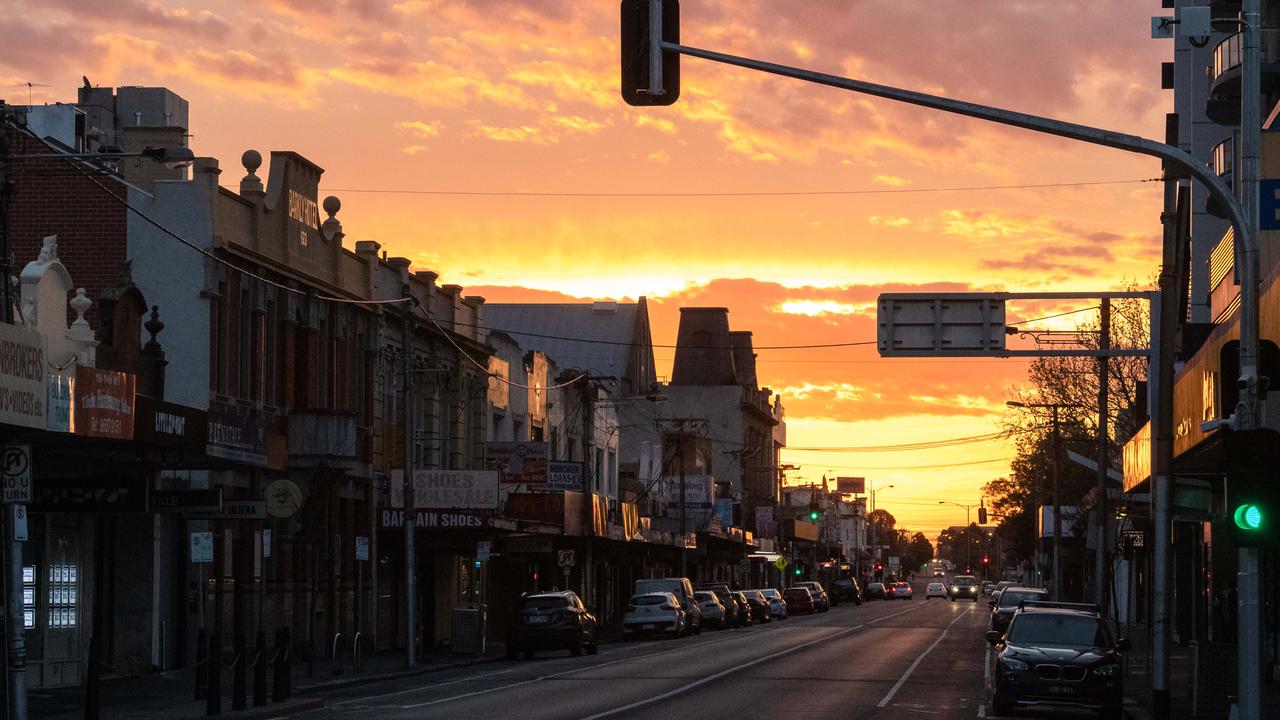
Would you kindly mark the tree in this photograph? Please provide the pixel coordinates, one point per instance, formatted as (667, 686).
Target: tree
(919, 550)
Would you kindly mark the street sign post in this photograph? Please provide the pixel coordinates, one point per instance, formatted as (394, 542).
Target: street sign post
(565, 558)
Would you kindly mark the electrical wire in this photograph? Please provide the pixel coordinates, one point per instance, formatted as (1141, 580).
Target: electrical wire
(1061, 314)
(626, 343)
(918, 467)
(730, 194)
(926, 445)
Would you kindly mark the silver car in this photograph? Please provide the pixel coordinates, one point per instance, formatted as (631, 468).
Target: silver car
(777, 606)
(654, 613)
(712, 610)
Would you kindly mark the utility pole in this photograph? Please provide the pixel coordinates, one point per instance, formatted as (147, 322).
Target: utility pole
(1102, 508)
(1057, 510)
(410, 559)
(588, 492)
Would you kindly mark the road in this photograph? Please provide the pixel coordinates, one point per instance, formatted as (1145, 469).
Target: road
(919, 658)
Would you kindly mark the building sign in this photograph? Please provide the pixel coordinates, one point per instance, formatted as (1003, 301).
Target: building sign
(61, 396)
(283, 498)
(103, 404)
(23, 393)
(1137, 458)
(236, 434)
(499, 390)
(522, 463)
(166, 425)
(456, 520)
(121, 493)
(851, 485)
(766, 526)
(563, 476)
(699, 498)
(474, 489)
(544, 508)
(304, 211)
(173, 501)
(538, 390)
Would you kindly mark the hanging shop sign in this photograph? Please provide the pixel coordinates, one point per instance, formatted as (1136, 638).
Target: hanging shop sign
(563, 476)
(23, 391)
(519, 462)
(60, 397)
(450, 489)
(283, 498)
(104, 403)
(167, 425)
(455, 520)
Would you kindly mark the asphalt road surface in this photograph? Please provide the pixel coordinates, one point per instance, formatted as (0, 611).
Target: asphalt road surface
(900, 659)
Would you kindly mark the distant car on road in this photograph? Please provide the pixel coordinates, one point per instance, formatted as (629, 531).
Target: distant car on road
(556, 620)
(799, 601)
(681, 588)
(875, 591)
(935, 589)
(759, 605)
(733, 611)
(1057, 655)
(987, 587)
(965, 587)
(900, 591)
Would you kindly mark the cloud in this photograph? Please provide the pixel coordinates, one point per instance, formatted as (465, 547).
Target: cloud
(150, 15)
(421, 129)
(891, 180)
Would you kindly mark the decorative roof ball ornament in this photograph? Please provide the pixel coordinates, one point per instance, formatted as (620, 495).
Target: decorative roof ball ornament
(251, 184)
(331, 229)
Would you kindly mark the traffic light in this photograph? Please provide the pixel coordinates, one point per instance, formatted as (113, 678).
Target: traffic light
(986, 559)
(635, 53)
(798, 571)
(982, 516)
(1253, 500)
(813, 515)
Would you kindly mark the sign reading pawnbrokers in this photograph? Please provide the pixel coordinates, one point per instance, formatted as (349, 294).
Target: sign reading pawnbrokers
(476, 489)
(104, 403)
(22, 382)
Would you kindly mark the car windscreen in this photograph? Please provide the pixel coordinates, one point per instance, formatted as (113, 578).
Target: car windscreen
(648, 600)
(1011, 598)
(1041, 629)
(958, 580)
(542, 603)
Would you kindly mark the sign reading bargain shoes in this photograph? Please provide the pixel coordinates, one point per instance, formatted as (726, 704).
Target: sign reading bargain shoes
(474, 489)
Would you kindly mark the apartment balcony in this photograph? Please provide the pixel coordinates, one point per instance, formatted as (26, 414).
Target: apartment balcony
(322, 439)
(1223, 163)
(1224, 293)
(1224, 70)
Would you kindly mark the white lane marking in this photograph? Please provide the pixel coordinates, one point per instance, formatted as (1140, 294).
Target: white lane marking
(982, 709)
(468, 678)
(884, 702)
(986, 668)
(712, 678)
(641, 656)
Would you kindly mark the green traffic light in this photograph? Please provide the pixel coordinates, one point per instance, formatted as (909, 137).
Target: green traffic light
(813, 514)
(797, 571)
(1248, 517)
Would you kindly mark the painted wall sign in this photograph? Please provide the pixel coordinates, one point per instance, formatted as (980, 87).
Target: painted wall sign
(23, 393)
(460, 520)
(236, 434)
(519, 462)
(474, 489)
(168, 425)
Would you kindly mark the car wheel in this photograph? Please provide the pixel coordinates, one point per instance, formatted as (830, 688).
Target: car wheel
(576, 649)
(697, 630)
(594, 647)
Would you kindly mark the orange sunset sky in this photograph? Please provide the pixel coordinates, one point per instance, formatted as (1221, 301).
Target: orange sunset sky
(485, 96)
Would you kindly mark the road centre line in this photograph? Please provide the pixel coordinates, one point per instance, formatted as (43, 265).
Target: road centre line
(884, 702)
(637, 656)
(712, 678)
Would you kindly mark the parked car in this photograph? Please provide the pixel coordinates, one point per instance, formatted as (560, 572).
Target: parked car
(987, 587)
(935, 589)
(1002, 610)
(846, 588)
(555, 620)
(821, 600)
(777, 606)
(964, 586)
(799, 601)
(995, 592)
(900, 591)
(655, 613)
(733, 611)
(875, 591)
(1056, 654)
(747, 615)
(713, 612)
(681, 588)
(759, 605)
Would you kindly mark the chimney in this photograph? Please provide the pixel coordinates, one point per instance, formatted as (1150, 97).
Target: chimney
(704, 353)
(744, 358)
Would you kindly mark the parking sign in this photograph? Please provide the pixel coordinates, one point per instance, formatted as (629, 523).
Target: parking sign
(16, 467)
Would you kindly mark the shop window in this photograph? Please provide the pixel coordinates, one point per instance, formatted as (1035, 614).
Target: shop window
(63, 597)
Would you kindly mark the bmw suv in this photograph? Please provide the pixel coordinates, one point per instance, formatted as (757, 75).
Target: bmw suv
(1057, 655)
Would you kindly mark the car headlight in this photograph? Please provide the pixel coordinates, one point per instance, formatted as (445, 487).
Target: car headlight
(1108, 670)
(1015, 664)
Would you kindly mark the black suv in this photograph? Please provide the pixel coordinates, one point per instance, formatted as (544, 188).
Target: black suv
(963, 586)
(845, 588)
(1057, 655)
(547, 621)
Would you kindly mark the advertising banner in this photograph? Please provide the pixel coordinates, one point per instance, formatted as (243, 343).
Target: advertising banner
(23, 391)
(474, 489)
(564, 476)
(853, 485)
(104, 403)
(521, 463)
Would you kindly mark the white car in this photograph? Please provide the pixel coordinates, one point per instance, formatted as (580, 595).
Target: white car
(654, 613)
(935, 590)
(777, 606)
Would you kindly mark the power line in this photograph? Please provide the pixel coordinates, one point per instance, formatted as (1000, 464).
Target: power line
(917, 467)
(730, 194)
(925, 445)
(1050, 317)
(626, 343)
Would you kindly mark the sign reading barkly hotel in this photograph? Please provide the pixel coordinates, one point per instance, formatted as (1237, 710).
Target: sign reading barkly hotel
(22, 382)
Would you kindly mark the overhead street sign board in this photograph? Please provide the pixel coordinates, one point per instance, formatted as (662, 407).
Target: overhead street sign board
(940, 325)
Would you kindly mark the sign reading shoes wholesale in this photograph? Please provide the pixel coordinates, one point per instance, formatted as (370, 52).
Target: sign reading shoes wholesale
(22, 381)
(446, 489)
(104, 403)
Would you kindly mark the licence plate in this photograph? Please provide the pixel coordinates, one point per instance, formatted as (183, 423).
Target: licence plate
(647, 626)
(1062, 690)
(538, 619)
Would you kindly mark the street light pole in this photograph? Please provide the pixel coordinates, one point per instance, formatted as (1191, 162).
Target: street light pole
(875, 527)
(968, 561)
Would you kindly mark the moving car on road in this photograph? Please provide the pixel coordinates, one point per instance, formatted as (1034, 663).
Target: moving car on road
(555, 620)
(876, 591)
(900, 591)
(935, 589)
(1057, 655)
(658, 612)
(964, 587)
(777, 606)
(1002, 609)
(799, 601)
(845, 588)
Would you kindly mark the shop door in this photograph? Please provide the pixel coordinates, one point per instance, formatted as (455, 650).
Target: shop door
(53, 596)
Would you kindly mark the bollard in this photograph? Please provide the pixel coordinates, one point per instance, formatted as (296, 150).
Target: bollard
(288, 654)
(202, 649)
(92, 686)
(213, 664)
(280, 667)
(260, 669)
(238, 674)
